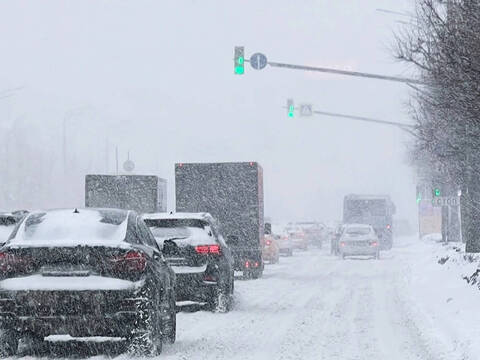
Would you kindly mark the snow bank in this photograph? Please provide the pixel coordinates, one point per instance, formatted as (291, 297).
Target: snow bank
(441, 306)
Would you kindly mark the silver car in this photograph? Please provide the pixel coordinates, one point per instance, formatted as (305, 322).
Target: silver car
(359, 239)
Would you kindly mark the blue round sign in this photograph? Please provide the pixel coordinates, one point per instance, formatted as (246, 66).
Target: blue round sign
(258, 61)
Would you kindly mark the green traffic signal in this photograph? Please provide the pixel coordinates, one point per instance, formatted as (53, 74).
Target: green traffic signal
(290, 108)
(436, 192)
(239, 60)
(290, 111)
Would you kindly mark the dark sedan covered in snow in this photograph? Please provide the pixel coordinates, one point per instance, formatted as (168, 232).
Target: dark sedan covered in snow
(85, 272)
(197, 253)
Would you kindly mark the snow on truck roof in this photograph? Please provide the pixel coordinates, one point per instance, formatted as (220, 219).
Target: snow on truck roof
(72, 227)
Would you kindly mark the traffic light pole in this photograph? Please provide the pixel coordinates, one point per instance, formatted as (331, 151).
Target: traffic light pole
(345, 72)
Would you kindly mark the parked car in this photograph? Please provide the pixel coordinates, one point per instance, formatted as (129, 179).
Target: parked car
(359, 239)
(198, 254)
(271, 249)
(315, 232)
(85, 272)
(283, 240)
(297, 237)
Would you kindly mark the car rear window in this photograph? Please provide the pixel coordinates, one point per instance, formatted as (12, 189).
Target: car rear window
(70, 228)
(182, 231)
(358, 231)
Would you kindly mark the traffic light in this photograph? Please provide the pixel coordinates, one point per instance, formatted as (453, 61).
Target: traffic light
(437, 192)
(419, 197)
(290, 108)
(239, 60)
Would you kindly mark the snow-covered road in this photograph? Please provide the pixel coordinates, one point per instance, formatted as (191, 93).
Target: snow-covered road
(316, 306)
(310, 306)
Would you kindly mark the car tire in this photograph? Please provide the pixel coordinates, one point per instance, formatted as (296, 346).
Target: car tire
(221, 300)
(8, 343)
(169, 333)
(146, 337)
(257, 273)
(36, 343)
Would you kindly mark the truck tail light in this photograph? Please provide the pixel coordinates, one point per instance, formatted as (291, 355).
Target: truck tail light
(207, 249)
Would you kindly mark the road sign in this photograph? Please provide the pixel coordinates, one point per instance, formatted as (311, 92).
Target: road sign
(446, 201)
(128, 165)
(258, 61)
(306, 109)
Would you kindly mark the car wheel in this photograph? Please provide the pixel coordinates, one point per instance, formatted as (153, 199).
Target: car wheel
(146, 337)
(170, 329)
(8, 343)
(257, 273)
(170, 324)
(221, 300)
(36, 343)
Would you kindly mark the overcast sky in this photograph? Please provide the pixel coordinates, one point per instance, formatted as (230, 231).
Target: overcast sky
(156, 78)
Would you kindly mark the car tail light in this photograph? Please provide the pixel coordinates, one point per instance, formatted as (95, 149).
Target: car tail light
(247, 264)
(388, 226)
(209, 278)
(256, 263)
(374, 243)
(207, 249)
(268, 242)
(342, 244)
(11, 262)
(131, 261)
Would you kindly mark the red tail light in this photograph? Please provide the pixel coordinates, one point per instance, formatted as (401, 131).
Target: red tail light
(10, 262)
(342, 244)
(374, 243)
(256, 263)
(131, 261)
(388, 226)
(207, 249)
(247, 264)
(268, 242)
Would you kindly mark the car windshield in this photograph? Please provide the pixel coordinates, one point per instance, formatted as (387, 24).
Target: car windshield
(357, 231)
(72, 228)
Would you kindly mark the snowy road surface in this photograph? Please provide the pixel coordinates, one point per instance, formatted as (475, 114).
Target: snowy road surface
(316, 306)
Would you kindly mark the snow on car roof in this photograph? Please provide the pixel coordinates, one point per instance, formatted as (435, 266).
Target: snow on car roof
(72, 227)
(177, 215)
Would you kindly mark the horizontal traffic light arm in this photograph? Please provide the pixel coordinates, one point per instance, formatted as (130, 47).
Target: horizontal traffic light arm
(345, 72)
